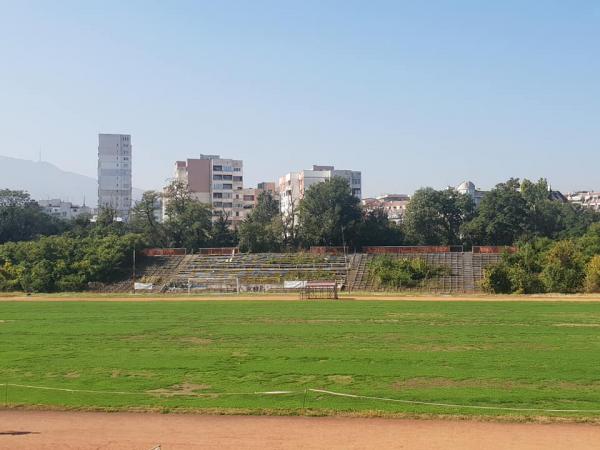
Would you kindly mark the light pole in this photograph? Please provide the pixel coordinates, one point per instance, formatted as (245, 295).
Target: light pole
(133, 271)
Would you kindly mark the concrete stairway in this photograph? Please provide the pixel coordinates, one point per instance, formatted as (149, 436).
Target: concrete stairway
(359, 279)
(467, 272)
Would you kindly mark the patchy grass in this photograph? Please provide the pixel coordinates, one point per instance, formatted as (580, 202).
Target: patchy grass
(216, 356)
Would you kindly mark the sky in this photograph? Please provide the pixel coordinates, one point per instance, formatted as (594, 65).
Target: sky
(413, 94)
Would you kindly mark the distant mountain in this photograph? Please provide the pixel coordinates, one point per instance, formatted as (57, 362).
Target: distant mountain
(46, 181)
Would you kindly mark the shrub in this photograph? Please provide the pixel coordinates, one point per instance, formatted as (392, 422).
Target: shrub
(395, 273)
(62, 263)
(496, 279)
(563, 268)
(592, 275)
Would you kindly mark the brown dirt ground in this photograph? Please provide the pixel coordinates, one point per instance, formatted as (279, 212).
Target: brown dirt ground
(20, 430)
(294, 297)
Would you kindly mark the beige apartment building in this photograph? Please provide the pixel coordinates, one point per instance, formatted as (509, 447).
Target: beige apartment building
(293, 185)
(216, 181)
(219, 183)
(394, 205)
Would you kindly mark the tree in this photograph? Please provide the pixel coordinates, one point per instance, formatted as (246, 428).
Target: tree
(262, 230)
(589, 243)
(81, 225)
(376, 229)
(188, 222)
(551, 218)
(22, 219)
(65, 263)
(221, 234)
(143, 219)
(329, 214)
(290, 227)
(518, 272)
(563, 268)
(524, 210)
(502, 217)
(577, 220)
(592, 275)
(435, 217)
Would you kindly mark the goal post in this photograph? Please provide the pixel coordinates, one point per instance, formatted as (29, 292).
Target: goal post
(319, 290)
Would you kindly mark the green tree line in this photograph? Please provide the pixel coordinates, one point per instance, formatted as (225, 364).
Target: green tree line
(543, 265)
(66, 255)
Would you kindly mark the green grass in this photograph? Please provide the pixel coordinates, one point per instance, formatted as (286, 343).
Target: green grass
(543, 355)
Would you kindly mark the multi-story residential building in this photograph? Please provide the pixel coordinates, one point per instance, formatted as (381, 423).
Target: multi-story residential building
(251, 195)
(293, 185)
(114, 173)
(215, 181)
(63, 210)
(588, 199)
(249, 199)
(289, 193)
(394, 205)
(267, 186)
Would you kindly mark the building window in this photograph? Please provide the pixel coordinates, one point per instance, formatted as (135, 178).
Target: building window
(228, 186)
(217, 177)
(237, 169)
(237, 178)
(218, 168)
(217, 195)
(227, 177)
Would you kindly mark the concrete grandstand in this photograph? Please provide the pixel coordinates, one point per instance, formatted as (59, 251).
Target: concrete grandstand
(231, 271)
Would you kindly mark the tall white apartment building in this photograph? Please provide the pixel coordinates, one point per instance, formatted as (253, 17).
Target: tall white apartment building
(215, 181)
(293, 185)
(114, 173)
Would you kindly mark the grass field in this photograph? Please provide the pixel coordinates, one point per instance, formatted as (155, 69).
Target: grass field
(214, 355)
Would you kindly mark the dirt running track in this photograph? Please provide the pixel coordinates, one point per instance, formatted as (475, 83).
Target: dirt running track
(51, 430)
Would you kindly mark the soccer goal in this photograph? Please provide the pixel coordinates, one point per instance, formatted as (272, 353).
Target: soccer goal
(319, 290)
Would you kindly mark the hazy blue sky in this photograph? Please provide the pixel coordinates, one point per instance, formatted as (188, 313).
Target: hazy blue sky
(411, 93)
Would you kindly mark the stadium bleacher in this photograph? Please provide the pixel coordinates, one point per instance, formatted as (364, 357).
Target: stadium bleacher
(242, 272)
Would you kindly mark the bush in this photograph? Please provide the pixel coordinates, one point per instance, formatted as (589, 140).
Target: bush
(62, 263)
(496, 279)
(395, 273)
(592, 275)
(563, 268)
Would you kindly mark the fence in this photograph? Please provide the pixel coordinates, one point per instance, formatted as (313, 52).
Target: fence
(412, 249)
(492, 249)
(164, 252)
(218, 251)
